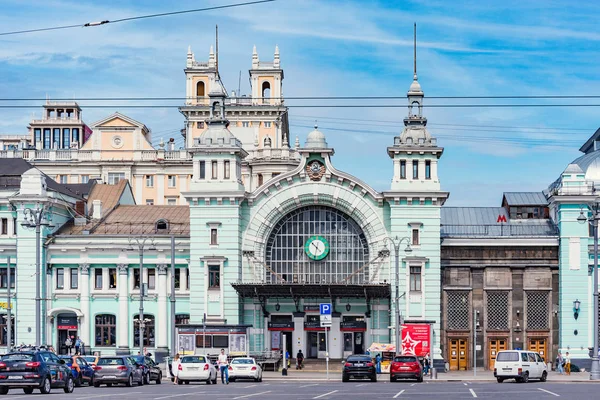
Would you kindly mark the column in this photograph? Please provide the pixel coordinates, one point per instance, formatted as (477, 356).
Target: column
(162, 323)
(299, 337)
(138, 188)
(84, 305)
(421, 170)
(266, 333)
(367, 338)
(123, 319)
(434, 170)
(396, 170)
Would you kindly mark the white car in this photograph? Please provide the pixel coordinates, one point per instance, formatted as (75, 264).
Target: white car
(245, 368)
(520, 365)
(196, 369)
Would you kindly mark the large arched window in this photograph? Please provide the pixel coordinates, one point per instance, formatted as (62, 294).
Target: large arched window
(148, 330)
(106, 330)
(317, 245)
(200, 89)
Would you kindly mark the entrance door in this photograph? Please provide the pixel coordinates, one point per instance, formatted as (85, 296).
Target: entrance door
(494, 346)
(539, 345)
(313, 345)
(322, 345)
(359, 344)
(458, 354)
(62, 337)
(288, 342)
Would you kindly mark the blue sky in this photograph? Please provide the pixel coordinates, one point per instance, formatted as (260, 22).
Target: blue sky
(338, 48)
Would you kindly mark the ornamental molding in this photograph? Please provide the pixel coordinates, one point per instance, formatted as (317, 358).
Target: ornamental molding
(123, 268)
(84, 268)
(315, 170)
(162, 269)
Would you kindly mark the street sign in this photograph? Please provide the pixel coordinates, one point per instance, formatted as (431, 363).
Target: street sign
(325, 320)
(325, 308)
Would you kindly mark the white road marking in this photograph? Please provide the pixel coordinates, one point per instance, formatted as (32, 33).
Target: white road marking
(312, 384)
(361, 384)
(472, 392)
(413, 384)
(325, 394)
(465, 384)
(247, 387)
(549, 392)
(252, 394)
(177, 395)
(106, 395)
(398, 394)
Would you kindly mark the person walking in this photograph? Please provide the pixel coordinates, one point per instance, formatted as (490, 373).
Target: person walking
(559, 363)
(426, 364)
(68, 344)
(567, 363)
(299, 359)
(378, 363)
(175, 368)
(223, 366)
(77, 346)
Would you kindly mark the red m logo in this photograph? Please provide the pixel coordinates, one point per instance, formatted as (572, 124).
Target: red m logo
(501, 218)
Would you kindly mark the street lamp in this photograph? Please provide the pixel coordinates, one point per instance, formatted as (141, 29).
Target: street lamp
(396, 243)
(583, 218)
(36, 218)
(140, 241)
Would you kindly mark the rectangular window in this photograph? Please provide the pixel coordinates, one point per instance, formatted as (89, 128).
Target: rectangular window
(151, 278)
(214, 170)
(60, 278)
(214, 276)
(245, 124)
(136, 278)
(202, 170)
(260, 179)
(74, 278)
(37, 133)
(415, 236)
(115, 177)
(415, 166)
(226, 169)
(415, 279)
(221, 341)
(187, 279)
(200, 124)
(427, 169)
(203, 341)
(4, 278)
(75, 135)
(171, 202)
(66, 142)
(85, 178)
(402, 169)
(56, 138)
(98, 278)
(177, 278)
(47, 138)
(112, 278)
(172, 180)
(149, 202)
(4, 229)
(64, 179)
(213, 236)
(15, 226)
(149, 180)
(267, 124)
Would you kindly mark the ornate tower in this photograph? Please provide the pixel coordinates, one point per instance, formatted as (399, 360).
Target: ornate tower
(266, 79)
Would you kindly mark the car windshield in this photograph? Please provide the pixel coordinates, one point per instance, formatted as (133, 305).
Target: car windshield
(359, 359)
(405, 359)
(17, 357)
(90, 359)
(507, 356)
(242, 361)
(193, 360)
(111, 361)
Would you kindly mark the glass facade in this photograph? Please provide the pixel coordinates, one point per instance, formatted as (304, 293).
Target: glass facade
(288, 256)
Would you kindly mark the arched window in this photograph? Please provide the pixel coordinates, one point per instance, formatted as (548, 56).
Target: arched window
(106, 330)
(148, 330)
(4, 329)
(162, 224)
(200, 89)
(414, 109)
(266, 92)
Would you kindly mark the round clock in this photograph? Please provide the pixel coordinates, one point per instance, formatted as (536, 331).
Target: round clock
(316, 248)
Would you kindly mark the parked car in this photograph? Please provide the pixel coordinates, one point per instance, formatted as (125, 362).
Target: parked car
(244, 368)
(359, 366)
(196, 369)
(406, 367)
(92, 360)
(118, 369)
(29, 370)
(152, 371)
(520, 365)
(81, 370)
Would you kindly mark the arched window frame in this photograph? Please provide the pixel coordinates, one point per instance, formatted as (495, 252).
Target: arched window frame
(266, 97)
(200, 89)
(161, 225)
(149, 330)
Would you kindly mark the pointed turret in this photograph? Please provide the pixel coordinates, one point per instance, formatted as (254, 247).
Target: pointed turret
(212, 60)
(276, 63)
(190, 57)
(254, 57)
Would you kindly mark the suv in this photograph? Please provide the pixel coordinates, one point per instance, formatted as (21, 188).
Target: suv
(359, 366)
(34, 369)
(152, 371)
(407, 367)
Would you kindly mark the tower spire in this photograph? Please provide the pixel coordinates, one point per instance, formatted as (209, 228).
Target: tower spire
(415, 51)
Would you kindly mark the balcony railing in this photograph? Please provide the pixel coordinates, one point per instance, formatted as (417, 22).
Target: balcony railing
(96, 155)
(499, 230)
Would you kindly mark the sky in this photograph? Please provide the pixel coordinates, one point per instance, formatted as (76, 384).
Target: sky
(337, 48)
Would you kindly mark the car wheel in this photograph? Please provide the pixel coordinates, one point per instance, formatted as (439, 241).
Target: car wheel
(96, 384)
(260, 378)
(544, 376)
(231, 379)
(214, 381)
(187, 382)
(500, 380)
(392, 378)
(46, 387)
(208, 381)
(69, 385)
(420, 379)
(147, 380)
(109, 384)
(28, 390)
(91, 383)
(345, 378)
(159, 379)
(179, 382)
(374, 378)
(129, 381)
(3, 390)
(525, 377)
(142, 380)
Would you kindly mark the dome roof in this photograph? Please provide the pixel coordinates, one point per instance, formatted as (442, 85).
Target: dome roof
(415, 135)
(415, 87)
(217, 134)
(590, 165)
(316, 140)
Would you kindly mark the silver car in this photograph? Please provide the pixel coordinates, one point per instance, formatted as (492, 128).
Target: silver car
(118, 369)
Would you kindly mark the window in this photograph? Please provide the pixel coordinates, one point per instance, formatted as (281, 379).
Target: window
(56, 138)
(4, 228)
(172, 181)
(200, 89)
(267, 124)
(151, 278)
(136, 278)
(427, 169)
(66, 142)
(106, 330)
(203, 341)
(260, 179)
(200, 124)
(74, 278)
(182, 319)
(64, 179)
(149, 202)
(15, 226)
(415, 279)
(162, 224)
(4, 278)
(187, 279)
(214, 276)
(266, 92)
(245, 124)
(4, 331)
(507, 356)
(226, 169)
(202, 170)
(98, 278)
(75, 135)
(221, 341)
(213, 236)
(148, 330)
(171, 202)
(85, 178)
(112, 278)
(149, 180)
(37, 132)
(415, 236)
(415, 167)
(402, 169)
(115, 177)
(60, 278)
(214, 169)
(177, 278)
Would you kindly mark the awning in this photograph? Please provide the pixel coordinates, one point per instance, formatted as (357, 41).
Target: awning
(296, 290)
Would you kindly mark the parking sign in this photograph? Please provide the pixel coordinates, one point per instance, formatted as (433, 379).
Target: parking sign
(325, 308)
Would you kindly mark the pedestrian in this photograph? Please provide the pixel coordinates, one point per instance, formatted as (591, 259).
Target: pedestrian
(287, 357)
(378, 363)
(223, 366)
(77, 346)
(426, 364)
(299, 359)
(559, 363)
(567, 363)
(68, 344)
(175, 368)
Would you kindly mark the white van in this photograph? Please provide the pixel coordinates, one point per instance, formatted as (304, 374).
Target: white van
(520, 365)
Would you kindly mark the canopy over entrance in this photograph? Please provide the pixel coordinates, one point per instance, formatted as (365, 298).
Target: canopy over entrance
(296, 290)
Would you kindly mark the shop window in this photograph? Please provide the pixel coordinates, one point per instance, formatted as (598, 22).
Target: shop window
(214, 276)
(221, 341)
(4, 278)
(4, 329)
(60, 278)
(148, 330)
(415, 279)
(203, 341)
(106, 330)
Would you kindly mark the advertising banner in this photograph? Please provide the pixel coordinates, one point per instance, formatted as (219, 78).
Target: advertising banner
(416, 339)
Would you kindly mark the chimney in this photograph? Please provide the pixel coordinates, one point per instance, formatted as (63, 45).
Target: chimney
(97, 209)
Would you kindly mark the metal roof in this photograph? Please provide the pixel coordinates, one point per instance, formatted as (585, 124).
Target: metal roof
(472, 215)
(525, 198)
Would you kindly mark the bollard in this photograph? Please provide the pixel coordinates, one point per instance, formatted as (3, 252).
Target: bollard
(433, 373)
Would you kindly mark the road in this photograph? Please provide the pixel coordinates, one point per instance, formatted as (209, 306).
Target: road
(279, 389)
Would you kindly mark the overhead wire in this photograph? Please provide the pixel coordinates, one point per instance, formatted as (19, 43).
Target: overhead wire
(138, 106)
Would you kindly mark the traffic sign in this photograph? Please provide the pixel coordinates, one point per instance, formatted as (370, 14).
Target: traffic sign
(325, 320)
(325, 308)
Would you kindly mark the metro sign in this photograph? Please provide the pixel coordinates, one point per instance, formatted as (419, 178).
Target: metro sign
(501, 218)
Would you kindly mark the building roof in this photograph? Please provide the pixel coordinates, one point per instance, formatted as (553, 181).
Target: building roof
(589, 146)
(81, 189)
(525, 198)
(590, 164)
(109, 195)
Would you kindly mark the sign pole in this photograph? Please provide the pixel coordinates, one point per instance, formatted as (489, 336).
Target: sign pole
(327, 352)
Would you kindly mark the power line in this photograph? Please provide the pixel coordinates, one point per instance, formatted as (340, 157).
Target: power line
(342, 106)
(104, 22)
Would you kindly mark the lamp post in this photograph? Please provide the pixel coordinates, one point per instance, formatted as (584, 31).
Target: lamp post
(36, 218)
(396, 242)
(140, 241)
(595, 209)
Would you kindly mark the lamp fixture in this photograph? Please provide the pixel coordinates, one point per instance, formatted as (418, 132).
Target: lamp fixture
(576, 307)
(348, 307)
(582, 219)
(277, 306)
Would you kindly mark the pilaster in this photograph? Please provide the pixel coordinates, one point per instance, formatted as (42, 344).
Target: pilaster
(123, 316)
(162, 323)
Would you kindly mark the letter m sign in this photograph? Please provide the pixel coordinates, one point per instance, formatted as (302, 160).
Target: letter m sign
(501, 218)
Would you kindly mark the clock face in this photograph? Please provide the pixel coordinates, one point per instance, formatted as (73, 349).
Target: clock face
(316, 248)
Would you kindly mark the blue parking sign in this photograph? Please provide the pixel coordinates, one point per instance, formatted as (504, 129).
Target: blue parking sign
(325, 308)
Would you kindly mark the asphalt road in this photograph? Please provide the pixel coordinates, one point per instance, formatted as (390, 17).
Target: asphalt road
(280, 389)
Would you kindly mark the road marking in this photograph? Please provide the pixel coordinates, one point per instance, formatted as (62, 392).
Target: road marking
(247, 387)
(361, 384)
(465, 384)
(398, 394)
(472, 392)
(312, 384)
(549, 392)
(106, 395)
(325, 394)
(413, 384)
(177, 395)
(250, 395)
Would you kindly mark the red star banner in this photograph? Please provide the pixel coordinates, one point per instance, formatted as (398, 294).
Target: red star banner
(416, 339)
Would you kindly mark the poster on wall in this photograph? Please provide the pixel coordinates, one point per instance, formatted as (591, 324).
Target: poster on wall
(416, 339)
(187, 344)
(237, 344)
(275, 340)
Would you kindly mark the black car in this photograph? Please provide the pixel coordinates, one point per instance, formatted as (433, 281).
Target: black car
(29, 370)
(359, 366)
(152, 371)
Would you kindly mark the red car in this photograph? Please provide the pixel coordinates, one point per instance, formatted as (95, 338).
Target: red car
(406, 367)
